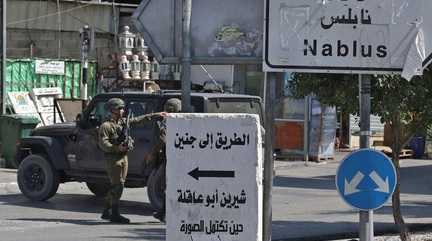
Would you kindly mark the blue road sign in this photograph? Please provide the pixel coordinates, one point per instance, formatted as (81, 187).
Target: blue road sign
(366, 179)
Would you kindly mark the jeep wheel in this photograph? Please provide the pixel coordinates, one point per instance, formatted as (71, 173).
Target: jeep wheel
(37, 178)
(156, 188)
(99, 189)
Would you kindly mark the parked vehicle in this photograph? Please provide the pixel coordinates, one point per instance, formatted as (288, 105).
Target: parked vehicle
(69, 152)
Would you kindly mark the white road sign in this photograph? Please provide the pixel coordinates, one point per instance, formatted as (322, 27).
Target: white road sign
(214, 177)
(220, 35)
(343, 36)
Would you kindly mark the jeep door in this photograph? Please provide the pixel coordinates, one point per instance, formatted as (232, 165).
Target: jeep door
(88, 155)
(143, 134)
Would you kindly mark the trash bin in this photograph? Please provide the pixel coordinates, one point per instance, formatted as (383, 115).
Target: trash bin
(417, 144)
(12, 129)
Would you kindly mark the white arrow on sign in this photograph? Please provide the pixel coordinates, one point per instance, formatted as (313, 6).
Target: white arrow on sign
(383, 185)
(351, 187)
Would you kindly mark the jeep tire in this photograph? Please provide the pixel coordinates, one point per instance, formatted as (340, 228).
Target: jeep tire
(99, 189)
(37, 178)
(156, 188)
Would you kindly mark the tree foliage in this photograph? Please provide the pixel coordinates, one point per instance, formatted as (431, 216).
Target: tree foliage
(390, 95)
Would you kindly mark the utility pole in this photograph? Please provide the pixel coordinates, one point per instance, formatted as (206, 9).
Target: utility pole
(3, 53)
(86, 45)
(187, 56)
(366, 230)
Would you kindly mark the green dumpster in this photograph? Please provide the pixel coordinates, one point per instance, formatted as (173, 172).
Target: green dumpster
(12, 129)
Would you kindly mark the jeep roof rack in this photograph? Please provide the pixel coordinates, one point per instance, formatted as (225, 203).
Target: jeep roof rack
(161, 92)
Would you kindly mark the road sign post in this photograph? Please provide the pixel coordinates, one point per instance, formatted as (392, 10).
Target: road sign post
(214, 177)
(270, 82)
(366, 229)
(186, 57)
(365, 180)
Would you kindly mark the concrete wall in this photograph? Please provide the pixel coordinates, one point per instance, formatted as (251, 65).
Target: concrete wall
(31, 21)
(46, 45)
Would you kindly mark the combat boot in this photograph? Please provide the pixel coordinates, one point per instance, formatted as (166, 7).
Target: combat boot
(160, 216)
(116, 217)
(106, 214)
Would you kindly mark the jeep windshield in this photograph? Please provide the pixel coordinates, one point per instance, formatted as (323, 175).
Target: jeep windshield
(247, 106)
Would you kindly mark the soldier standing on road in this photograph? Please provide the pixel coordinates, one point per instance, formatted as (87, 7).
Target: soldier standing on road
(172, 105)
(116, 155)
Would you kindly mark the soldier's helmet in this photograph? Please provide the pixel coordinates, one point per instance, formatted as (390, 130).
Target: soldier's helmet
(172, 105)
(114, 104)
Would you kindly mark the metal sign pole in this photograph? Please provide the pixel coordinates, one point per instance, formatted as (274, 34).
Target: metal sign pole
(366, 232)
(187, 59)
(306, 129)
(270, 79)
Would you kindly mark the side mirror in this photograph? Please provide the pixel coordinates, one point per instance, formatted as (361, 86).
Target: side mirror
(79, 120)
(94, 120)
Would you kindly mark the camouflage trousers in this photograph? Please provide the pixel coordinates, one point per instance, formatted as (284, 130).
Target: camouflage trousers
(117, 171)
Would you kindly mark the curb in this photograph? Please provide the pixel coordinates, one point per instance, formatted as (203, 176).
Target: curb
(417, 227)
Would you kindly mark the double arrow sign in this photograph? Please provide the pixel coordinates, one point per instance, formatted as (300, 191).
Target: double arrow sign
(351, 186)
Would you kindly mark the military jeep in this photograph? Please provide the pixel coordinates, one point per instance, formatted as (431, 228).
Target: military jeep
(69, 152)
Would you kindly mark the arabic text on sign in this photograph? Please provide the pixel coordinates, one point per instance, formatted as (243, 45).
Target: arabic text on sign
(212, 227)
(365, 18)
(212, 141)
(352, 16)
(216, 199)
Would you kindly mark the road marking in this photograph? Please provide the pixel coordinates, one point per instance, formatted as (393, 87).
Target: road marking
(8, 188)
(22, 225)
(5, 184)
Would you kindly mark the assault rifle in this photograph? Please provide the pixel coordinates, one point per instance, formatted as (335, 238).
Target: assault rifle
(124, 136)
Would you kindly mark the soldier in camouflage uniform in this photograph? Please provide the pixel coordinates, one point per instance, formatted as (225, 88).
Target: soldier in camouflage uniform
(116, 155)
(172, 105)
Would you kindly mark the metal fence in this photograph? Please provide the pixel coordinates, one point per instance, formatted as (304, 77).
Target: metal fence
(21, 76)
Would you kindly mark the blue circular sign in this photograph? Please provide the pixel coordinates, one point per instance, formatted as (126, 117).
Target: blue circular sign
(366, 179)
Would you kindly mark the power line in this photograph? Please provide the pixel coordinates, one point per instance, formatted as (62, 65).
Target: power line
(47, 15)
(60, 12)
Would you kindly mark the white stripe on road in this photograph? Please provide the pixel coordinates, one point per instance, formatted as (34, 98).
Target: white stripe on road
(19, 225)
(8, 188)
(5, 184)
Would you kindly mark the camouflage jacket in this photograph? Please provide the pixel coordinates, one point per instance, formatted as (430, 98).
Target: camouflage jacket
(158, 151)
(110, 131)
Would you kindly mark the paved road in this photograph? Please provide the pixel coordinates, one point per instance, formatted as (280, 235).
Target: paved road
(72, 215)
(305, 205)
